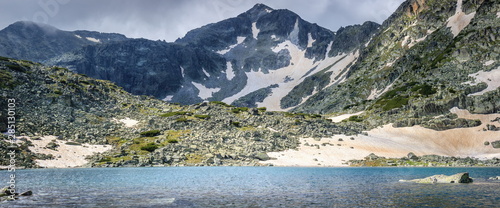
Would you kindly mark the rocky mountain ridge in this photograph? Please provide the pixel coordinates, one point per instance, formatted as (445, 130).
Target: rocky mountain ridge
(427, 58)
(252, 60)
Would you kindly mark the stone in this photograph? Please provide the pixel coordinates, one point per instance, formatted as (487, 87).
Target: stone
(457, 178)
(412, 156)
(496, 144)
(26, 193)
(262, 156)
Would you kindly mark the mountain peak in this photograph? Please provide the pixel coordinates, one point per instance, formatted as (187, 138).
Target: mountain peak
(261, 7)
(258, 10)
(23, 25)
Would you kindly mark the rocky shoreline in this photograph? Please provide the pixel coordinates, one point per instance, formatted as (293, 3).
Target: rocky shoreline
(412, 160)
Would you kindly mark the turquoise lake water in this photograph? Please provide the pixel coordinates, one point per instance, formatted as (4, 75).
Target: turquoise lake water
(251, 187)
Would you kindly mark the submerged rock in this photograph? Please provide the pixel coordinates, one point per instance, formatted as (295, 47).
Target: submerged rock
(457, 178)
(7, 193)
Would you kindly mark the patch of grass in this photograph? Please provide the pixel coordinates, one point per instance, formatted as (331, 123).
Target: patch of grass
(239, 109)
(73, 143)
(194, 158)
(247, 128)
(172, 141)
(396, 102)
(6, 79)
(150, 133)
(182, 119)
(176, 113)
(4, 58)
(424, 89)
(15, 67)
(355, 118)
(262, 109)
(150, 147)
(202, 116)
(235, 123)
(221, 103)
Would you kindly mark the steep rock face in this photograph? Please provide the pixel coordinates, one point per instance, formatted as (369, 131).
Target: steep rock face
(230, 61)
(39, 42)
(145, 67)
(428, 57)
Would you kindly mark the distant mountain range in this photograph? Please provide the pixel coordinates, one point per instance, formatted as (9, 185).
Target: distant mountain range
(254, 59)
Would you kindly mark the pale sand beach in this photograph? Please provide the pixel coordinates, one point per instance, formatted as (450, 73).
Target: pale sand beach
(388, 141)
(66, 156)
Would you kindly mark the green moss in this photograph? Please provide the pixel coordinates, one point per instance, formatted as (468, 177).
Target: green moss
(175, 113)
(424, 89)
(150, 147)
(239, 109)
(73, 143)
(202, 116)
(182, 119)
(150, 133)
(235, 123)
(6, 79)
(4, 58)
(221, 103)
(172, 141)
(355, 118)
(396, 102)
(15, 67)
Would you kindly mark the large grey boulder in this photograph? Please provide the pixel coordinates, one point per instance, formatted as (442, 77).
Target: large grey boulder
(457, 178)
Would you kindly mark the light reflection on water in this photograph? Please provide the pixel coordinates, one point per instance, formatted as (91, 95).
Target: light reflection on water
(251, 187)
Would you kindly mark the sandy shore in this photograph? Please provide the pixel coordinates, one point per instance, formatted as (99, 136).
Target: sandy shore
(66, 156)
(388, 141)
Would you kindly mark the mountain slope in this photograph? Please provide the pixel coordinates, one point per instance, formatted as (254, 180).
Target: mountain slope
(39, 42)
(232, 60)
(423, 62)
(143, 131)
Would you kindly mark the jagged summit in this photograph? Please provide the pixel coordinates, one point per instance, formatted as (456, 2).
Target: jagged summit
(257, 11)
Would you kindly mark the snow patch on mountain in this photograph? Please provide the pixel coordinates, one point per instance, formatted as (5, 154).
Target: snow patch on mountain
(255, 30)
(310, 40)
(93, 40)
(229, 71)
(490, 62)
(294, 35)
(205, 72)
(288, 77)
(182, 72)
(338, 73)
(205, 92)
(78, 36)
(459, 20)
(239, 40)
(375, 93)
(491, 78)
(168, 98)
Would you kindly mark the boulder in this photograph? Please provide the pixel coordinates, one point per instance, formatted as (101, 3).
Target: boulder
(496, 144)
(262, 156)
(457, 178)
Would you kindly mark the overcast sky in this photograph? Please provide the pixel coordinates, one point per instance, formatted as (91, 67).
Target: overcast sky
(170, 19)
